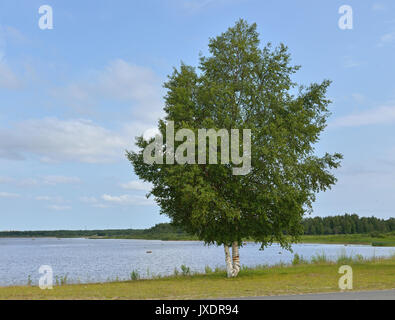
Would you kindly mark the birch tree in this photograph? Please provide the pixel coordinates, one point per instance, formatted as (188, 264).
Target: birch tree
(242, 84)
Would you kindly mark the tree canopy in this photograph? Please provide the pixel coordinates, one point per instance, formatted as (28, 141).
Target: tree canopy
(241, 85)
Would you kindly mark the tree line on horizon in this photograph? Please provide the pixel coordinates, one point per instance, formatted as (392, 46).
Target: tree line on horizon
(347, 224)
(331, 225)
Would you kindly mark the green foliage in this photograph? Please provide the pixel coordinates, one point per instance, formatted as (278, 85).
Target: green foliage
(359, 258)
(162, 231)
(208, 270)
(319, 258)
(218, 270)
(383, 244)
(29, 280)
(134, 275)
(64, 279)
(343, 258)
(376, 234)
(186, 271)
(348, 224)
(243, 86)
(379, 229)
(297, 260)
(61, 280)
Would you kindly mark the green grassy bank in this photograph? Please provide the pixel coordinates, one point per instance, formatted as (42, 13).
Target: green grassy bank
(383, 240)
(301, 277)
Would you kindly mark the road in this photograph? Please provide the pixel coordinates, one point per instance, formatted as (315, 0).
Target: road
(354, 295)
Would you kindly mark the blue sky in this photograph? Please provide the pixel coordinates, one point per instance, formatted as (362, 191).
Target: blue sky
(73, 98)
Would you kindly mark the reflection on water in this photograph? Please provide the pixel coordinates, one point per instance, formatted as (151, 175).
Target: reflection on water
(86, 260)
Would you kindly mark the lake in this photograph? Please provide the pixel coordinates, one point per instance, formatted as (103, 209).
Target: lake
(88, 260)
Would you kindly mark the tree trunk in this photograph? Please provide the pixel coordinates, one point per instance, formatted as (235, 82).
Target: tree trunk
(232, 263)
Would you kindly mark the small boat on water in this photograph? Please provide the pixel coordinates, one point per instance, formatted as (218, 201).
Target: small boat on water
(149, 252)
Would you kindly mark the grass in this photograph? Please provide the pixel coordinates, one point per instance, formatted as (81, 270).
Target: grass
(387, 240)
(379, 240)
(302, 276)
(134, 275)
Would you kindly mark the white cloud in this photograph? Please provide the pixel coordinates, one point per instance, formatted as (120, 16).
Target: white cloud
(94, 202)
(378, 7)
(47, 181)
(6, 180)
(12, 34)
(54, 180)
(387, 38)
(198, 5)
(8, 79)
(121, 81)
(43, 198)
(380, 115)
(364, 186)
(76, 96)
(350, 62)
(137, 185)
(128, 82)
(358, 97)
(57, 140)
(100, 206)
(9, 195)
(40, 181)
(90, 200)
(151, 133)
(127, 199)
(49, 198)
(107, 201)
(28, 182)
(59, 208)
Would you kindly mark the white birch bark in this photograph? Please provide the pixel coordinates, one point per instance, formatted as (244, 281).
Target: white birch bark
(228, 261)
(235, 258)
(232, 263)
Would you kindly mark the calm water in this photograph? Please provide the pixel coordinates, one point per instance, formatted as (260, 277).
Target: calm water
(85, 260)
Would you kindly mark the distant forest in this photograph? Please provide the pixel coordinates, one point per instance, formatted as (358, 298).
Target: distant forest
(162, 231)
(346, 224)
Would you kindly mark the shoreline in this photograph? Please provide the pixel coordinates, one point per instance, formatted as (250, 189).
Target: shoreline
(346, 240)
(298, 278)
